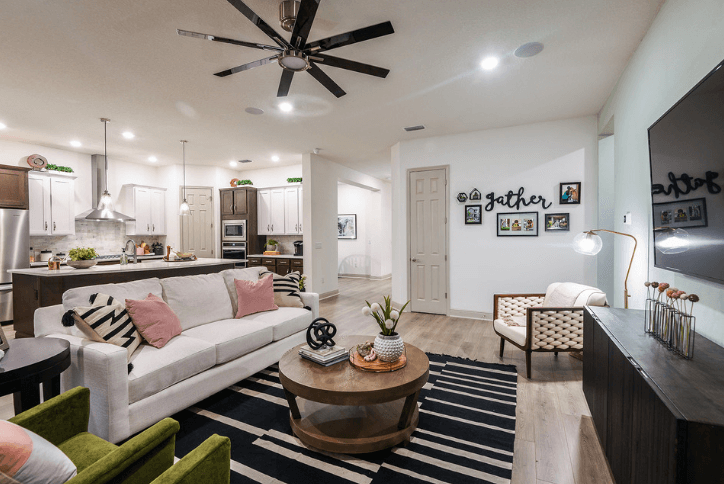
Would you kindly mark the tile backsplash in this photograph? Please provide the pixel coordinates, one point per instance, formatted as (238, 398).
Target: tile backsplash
(105, 237)
(286, 242)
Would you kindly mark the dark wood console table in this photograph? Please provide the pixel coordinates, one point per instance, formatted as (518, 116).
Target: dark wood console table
(660, 418)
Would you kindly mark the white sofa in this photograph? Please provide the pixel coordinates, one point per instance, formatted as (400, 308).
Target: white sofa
(214, 350)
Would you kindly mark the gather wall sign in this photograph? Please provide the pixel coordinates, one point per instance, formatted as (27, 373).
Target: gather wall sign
(514, 200)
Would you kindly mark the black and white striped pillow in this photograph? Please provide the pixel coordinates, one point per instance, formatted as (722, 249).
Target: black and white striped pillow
(106, 321)
(286, 289)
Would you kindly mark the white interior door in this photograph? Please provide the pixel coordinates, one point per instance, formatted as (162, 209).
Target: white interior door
(291, 211)
(158, 212)
(197, 230)
(39, 206)
(142, 210)
(277, 211)
(428, 241)
(264, 212)
(62, 197)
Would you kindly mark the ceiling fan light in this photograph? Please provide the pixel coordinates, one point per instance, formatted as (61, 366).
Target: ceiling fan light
(294, 61)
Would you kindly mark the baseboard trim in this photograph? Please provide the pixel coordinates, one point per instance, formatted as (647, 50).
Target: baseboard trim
(461, 313)
(325, 295)
(365, 276)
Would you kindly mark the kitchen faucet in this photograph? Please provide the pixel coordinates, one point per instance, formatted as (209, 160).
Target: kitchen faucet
(135, 254)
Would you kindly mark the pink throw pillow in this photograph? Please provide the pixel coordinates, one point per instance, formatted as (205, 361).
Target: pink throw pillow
(154, 319)
(255, 296)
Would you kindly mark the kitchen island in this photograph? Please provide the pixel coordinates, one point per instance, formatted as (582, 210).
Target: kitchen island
(39, 287)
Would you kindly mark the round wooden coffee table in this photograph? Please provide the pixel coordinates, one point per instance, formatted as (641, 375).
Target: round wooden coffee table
(346, 410)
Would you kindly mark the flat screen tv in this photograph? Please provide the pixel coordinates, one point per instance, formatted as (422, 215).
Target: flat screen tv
(686, 152)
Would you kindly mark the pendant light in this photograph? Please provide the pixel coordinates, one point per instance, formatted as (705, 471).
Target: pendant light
(184, 209)
(105, 212)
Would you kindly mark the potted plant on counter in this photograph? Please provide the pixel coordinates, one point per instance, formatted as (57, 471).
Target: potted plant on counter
(82, 258)
(388, 344)
(272, 245)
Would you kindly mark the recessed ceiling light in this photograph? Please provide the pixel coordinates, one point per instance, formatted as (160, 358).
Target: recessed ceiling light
(233, 163)
(529, 50)
(489, 63)
(152, 159)
(254, 111)
(286, 107)
(275, 158)
(75, 143)
(3, 126)
(128, 135)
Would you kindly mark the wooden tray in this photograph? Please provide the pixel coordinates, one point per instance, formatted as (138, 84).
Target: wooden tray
(375, 366)
(193, 258)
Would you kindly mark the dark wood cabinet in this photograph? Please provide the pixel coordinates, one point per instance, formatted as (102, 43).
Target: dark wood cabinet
(280, 265)
(660, 418)
(235, 201)
(14, 187)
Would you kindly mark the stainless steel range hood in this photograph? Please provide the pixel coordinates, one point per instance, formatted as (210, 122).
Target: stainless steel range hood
(99, 180)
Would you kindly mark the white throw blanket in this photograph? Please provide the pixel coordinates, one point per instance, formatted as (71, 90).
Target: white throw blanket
(565, 295)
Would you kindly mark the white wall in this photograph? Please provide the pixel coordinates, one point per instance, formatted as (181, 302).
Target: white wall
(354, 255)
(683, 44)
(537, 157)
(606, 211)
(271, 177)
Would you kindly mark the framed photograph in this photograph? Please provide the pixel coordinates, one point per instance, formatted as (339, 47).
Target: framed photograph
(473, 214)
(681, 214)
(347, 226)
(557, 222)
(518, 224)
(3, 340)
(570, 193)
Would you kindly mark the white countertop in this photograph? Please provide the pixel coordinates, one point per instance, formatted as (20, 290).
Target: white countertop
(112, 259)
(147, 265)
(280, 256)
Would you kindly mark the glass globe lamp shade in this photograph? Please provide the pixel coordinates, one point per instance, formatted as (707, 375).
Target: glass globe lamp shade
(587, 243)
(184, 209)
(674, 241)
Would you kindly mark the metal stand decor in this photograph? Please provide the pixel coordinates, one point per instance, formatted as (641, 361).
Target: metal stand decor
(323, 334)
(669, 319)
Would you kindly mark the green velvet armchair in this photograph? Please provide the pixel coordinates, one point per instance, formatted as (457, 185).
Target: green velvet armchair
(63, 421)
(209, 463)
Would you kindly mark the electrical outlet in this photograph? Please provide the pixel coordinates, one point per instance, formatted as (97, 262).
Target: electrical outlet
(627, 218)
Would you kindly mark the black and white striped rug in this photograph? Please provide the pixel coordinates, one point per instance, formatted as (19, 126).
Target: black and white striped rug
(466, 432)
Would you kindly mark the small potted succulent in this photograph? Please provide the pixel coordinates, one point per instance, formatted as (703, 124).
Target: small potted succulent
(82, 258)
(388, 344)
(271, 245)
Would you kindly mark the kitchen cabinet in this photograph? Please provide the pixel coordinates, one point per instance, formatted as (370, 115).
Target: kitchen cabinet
(51, 203)
(279, 211)
(148, 206)
(14, 187)
(278, 265)
(234, 202)
(293, 212)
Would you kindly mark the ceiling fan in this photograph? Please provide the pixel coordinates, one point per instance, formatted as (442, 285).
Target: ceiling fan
(297, 55)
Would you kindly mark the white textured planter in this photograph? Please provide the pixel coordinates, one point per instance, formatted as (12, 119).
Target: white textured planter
(389, 348)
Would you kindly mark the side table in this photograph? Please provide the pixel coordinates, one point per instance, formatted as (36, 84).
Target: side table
(28, 363)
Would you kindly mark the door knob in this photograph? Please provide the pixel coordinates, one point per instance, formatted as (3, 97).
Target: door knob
(46, 225)
(54, 226)
(412, 259)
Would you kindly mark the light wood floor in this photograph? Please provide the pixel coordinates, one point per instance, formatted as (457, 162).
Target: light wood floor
(556, 442)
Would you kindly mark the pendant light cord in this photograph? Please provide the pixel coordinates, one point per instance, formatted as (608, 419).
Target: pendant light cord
(183, 150)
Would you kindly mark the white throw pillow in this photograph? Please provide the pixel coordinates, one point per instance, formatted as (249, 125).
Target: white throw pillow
(197, 300)
(248, 274)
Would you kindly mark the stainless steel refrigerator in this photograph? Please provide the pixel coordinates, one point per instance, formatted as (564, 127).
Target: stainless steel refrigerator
(14, 254)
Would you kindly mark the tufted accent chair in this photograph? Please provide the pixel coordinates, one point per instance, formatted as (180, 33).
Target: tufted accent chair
(538, 325)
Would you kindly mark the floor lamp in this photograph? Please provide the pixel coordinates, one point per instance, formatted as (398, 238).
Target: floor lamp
(588, 243)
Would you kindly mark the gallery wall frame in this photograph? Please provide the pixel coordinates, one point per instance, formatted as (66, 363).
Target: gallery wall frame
(557, 222)
(517, 224)
(681, 214)
(569, 193)
(473, 214)
(347, 226)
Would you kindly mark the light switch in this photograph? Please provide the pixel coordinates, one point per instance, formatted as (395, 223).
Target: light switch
(317, 245)
(627, 218)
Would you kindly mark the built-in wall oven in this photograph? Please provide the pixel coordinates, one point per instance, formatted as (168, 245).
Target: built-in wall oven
(234, 250)
(233, 230)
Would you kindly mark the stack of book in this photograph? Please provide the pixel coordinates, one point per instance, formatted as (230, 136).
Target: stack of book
(324, 356)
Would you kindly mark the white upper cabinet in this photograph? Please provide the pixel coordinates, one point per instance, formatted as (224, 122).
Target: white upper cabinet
(148, 206)
(52, 204)
(279, 211)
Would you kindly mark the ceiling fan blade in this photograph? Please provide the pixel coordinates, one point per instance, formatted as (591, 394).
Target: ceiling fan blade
(303, 24)
(328, 60)
(285, 82)
(246, 67)
(325, 80)
(256, 20)
(224, 40)
(359, 35)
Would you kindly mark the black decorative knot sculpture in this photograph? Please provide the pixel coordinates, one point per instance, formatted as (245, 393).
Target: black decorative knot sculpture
(323, 334)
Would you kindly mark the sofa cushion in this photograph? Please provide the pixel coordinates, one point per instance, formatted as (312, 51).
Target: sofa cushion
(286, 289)
(157, 368)
(284, 321)
(515, 333)
(255, 297)
(80, 296)
(233, 338)
(197, 300)
(154, 319)
(248, 274)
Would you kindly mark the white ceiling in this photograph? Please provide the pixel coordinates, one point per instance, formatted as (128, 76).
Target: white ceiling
(63, 65)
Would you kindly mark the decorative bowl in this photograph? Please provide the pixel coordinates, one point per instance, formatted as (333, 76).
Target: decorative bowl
(82, 264)
(184, 255)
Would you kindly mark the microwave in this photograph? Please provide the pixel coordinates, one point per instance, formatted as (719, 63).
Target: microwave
(233, 230)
